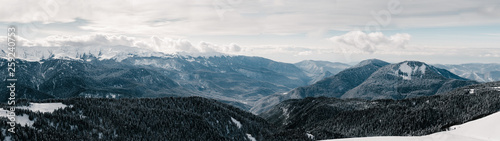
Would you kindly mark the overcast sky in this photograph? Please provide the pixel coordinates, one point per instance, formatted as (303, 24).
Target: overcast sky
(434, 31)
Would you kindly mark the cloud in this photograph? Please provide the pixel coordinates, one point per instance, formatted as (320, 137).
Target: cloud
(233, 48)
(393, 48)
(83, 41)
(304, 53)
(222, 17)
(165, 45)
(371, 42)
(92, 40)
(168, 45)
(210, 48)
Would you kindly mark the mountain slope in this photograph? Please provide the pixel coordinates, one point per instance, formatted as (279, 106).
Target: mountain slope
(475, 71)
(320, 69)
(170, 118)
(334, 86)
(406, 80)
(128, 72)
(72, 78)
(483, 129)
(330, 118)
(338, 84)
(152, 119)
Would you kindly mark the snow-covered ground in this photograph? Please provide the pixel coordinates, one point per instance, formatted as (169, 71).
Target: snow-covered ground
(43, 107)
(40, 107)
(24, 120)
(20, 119)
(484, 129)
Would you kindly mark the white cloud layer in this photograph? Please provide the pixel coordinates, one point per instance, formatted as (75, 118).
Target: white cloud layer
(238, 17)
(285, 30)
(371, 42)
(169, 45)
(394, 48)
(165, 45)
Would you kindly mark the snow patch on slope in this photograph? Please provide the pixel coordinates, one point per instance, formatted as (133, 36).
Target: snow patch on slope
(20, 119)
(406, 71)
(483, 129)
(43, 107)
(310, 136)
(35, 107)
(422, 68)
(477, 77)
(24, 120)
(285, 112)
(238, 123)
(496, 88)
(251, 138)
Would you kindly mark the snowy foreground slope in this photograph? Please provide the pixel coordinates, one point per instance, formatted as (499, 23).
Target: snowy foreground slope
(23, 119)
(483, 129)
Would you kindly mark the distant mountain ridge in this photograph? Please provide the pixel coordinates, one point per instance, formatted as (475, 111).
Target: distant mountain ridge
(334, 86)
(375, 79)
(118, 71)
(251, 83)
(475, 71)
(320, 69)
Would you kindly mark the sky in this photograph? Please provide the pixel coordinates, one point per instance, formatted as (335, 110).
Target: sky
(437, 31)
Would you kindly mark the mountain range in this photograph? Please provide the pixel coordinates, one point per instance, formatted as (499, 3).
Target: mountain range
(251, 83)
(118, 72)
(319, 70)
(375, 79)
(197, 118)
(116, 93)
(475, 71)
(333, 86)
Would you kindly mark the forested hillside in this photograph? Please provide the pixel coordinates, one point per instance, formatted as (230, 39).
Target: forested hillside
(329, 118)
(191, 118)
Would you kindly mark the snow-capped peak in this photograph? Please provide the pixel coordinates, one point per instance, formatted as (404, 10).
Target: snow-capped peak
(76, 53)
(118, 53)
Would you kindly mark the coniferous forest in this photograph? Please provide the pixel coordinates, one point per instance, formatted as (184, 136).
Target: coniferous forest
(196, 118)
(329, 118)
(192, 118)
